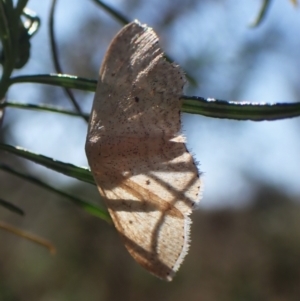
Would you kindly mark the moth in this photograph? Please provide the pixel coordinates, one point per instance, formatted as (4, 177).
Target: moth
(138, 158)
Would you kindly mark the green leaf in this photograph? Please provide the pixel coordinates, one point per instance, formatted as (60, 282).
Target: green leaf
(61, 80)
(239, 110)
(87, 206)
(80, 173)
(42, 107)
(191, 104)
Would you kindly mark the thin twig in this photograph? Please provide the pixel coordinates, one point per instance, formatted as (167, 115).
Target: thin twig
(29, 236)
(56, 60)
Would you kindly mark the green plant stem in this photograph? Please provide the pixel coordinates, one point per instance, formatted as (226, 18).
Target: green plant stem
(57, 65)
(262, 13)
(121, 18)
(19, 8)
(6, 11)
(11, 206)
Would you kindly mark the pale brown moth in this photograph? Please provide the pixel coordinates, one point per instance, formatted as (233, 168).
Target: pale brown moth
(137, 155)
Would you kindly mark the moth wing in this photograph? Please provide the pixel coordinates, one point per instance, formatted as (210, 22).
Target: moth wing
(154, 232)
(138, 158)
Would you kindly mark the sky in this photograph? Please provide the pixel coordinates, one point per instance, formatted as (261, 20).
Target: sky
(217, 38)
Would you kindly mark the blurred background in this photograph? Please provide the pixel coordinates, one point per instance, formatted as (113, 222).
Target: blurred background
(246, 232)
